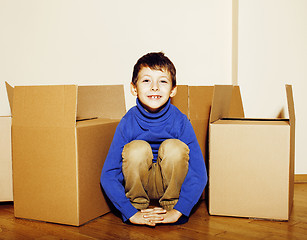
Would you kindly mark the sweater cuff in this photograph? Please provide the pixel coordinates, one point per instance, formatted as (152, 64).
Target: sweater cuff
(128, 211)
(184, 207)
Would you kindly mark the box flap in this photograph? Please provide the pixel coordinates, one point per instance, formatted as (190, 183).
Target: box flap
(45, 106)
(292, 144)
(236, 106)
(106, 101)
(181, 99)
(221, 102)
(10, 95)
(290, 104)
(200, 99)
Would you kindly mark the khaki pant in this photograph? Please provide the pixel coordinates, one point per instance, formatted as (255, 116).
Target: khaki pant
(145, 180)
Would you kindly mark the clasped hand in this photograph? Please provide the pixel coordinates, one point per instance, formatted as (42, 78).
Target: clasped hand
(153, 216)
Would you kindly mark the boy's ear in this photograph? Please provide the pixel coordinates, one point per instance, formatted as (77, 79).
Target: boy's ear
(133, 90)
(173, 92)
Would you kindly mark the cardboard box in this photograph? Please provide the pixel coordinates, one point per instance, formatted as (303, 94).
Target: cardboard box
(6, 179)
(195, 102)
(251, 162)
(57, 160)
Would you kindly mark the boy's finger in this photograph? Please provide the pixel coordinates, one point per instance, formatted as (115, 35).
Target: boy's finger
(154, 210)
(159, 221)
(147, 210)
(150, 223)
(159, 210)
(153, 217)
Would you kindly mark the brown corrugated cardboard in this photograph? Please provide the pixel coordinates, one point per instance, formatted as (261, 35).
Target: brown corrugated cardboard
(195, 102)
(6, 181)
(251, 162)
(57, 160)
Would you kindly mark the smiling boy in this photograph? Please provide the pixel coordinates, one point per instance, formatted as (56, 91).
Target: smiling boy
(154, 153)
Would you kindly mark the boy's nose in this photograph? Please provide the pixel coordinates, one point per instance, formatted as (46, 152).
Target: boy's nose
(154, 87)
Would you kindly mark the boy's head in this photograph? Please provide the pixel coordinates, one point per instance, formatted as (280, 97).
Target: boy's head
(155, 61)
(154, 81)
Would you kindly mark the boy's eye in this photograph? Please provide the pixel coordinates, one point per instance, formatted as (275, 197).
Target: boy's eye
(164, 81)
(145, 80)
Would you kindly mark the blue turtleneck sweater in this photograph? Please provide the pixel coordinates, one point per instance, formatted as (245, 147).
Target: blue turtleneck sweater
(138, 124)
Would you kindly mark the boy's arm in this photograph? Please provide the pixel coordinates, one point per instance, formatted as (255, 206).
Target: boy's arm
(196, 178)
(112, 179)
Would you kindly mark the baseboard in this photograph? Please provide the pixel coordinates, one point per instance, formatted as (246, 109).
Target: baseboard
(300, 178)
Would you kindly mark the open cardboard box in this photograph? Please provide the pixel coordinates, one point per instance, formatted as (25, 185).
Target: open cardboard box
(6, 183)
(57, 160)
(195, 102)
(251, 162)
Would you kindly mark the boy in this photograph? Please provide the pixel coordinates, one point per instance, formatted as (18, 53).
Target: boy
(154, 153)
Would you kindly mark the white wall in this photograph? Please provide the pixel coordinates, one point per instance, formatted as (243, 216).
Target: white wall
(99, 41)
(272, 51)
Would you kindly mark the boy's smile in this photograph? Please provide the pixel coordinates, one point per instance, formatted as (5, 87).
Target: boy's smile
(153, 88)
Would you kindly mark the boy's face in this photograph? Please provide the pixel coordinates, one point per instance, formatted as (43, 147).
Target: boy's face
(153, 88)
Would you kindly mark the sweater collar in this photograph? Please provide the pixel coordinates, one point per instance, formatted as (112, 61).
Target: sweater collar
(150, 115)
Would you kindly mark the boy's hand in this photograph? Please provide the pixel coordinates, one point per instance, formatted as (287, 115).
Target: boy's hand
(170, 216)
(150, 217)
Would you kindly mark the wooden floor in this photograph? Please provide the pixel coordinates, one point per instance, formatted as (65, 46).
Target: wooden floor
(200, 226)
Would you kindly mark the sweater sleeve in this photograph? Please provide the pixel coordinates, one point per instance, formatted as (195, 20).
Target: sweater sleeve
(112, 179)
(196, 178)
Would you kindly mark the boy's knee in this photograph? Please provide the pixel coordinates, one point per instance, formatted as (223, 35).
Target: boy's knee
(136, 151)
(174, 149)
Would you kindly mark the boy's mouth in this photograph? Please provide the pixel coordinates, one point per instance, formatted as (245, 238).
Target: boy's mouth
(154, 96)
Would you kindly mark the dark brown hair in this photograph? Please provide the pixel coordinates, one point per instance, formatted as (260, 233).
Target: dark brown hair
(155, 61)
